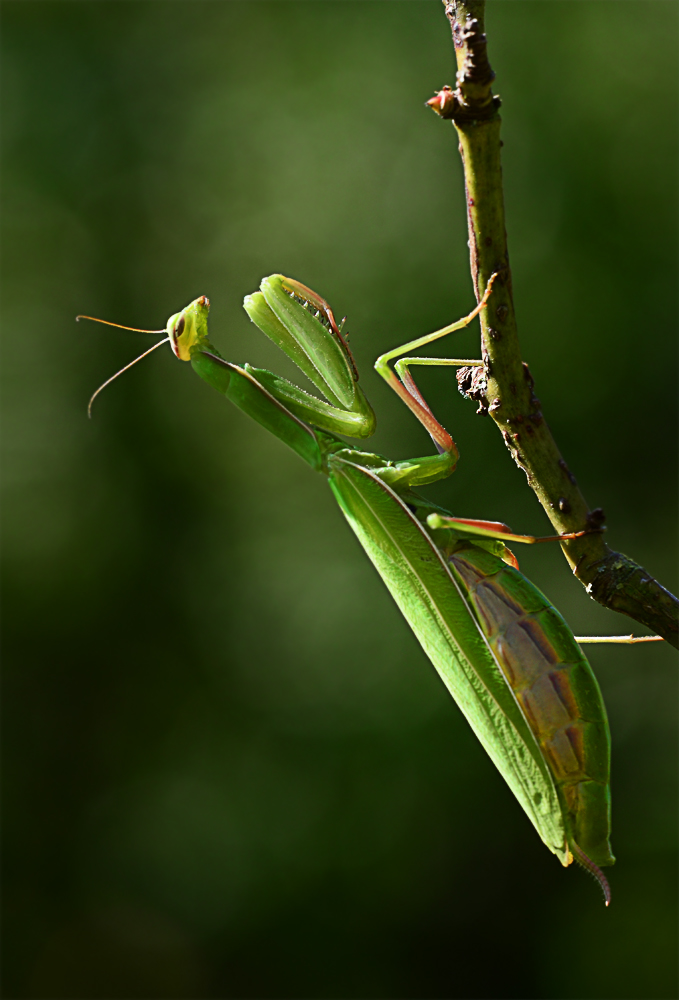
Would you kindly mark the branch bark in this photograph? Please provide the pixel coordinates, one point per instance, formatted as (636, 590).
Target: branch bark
(504, 387)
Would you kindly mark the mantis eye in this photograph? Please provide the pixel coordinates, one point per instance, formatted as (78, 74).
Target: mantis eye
(179, 326)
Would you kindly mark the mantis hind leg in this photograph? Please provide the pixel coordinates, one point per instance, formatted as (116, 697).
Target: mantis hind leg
(469, 528)
(496, 529)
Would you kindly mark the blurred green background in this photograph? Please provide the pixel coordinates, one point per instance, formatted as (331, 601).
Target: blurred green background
(229, 769)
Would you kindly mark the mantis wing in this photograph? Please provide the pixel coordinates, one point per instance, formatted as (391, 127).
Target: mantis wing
(435, 607)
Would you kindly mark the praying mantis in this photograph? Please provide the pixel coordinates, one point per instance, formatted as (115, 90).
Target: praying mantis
(504, 652)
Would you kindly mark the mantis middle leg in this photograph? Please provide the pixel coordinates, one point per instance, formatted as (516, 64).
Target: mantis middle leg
(403, 384)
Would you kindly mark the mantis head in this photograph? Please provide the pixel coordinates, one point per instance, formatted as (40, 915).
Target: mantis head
(186, 333)
(187, 330)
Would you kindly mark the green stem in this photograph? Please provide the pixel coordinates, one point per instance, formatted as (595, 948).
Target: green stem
(505, 387)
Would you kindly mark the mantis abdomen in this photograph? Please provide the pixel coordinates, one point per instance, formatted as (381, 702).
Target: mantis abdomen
(553, 684)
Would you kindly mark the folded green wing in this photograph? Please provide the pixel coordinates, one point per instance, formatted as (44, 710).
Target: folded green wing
(435, 608)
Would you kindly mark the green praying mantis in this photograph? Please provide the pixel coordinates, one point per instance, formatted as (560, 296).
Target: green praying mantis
(503, 651)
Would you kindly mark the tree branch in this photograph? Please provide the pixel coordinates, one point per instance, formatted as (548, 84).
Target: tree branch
(504, 387)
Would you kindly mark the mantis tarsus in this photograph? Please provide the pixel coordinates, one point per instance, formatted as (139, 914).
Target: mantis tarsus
(503, 651)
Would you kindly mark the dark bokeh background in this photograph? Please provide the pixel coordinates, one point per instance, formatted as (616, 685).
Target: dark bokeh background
(229, 769)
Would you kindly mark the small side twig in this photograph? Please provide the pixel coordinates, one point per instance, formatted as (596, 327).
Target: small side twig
(505, 388)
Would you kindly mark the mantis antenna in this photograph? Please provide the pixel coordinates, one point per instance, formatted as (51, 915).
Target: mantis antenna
(135, 329)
